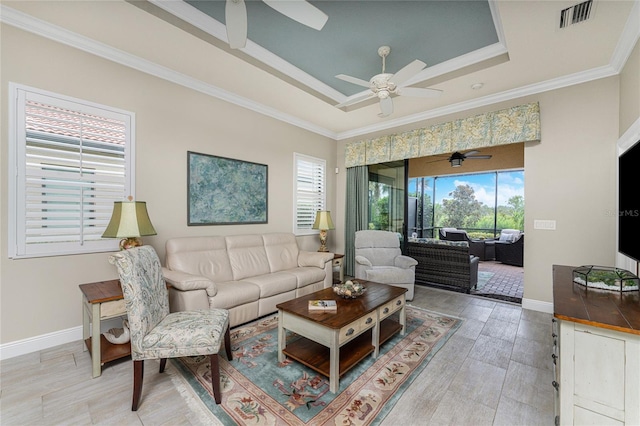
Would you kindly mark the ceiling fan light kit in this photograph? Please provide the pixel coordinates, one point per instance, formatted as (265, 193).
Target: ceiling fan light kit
(384, 85)
(457, 158)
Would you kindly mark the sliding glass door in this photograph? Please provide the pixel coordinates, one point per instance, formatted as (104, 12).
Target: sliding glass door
(387, 196)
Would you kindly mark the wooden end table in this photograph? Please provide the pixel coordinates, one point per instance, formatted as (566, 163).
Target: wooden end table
(338, 263)
(102, 300)
(333, 342)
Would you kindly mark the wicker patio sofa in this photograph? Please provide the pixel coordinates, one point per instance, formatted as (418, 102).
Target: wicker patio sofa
(446, 264)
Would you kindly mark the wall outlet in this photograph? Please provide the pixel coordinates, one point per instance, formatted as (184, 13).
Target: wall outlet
(549, 225)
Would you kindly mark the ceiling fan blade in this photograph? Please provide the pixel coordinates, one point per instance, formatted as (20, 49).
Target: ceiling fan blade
(356, 98)
(354, 80)
(386, 107)
(419, 92)
(236, 23)
(407, 72)
(473, 151)
(478, 157)
(301, 11)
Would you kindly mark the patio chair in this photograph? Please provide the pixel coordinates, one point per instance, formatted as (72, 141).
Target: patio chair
(510, 251)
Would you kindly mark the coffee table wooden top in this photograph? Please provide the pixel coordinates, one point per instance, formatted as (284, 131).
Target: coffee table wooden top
(349, 310)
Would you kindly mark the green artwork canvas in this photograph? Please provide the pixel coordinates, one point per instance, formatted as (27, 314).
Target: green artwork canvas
(224, 191)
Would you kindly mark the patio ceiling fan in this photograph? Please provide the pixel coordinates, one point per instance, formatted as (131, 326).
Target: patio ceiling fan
(299, 10)
(457, 158)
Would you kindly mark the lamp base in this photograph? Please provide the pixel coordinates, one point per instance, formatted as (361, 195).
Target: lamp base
(323, 241)
(127, 243)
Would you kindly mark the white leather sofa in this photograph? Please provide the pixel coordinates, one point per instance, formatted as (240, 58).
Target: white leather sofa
(246, 274)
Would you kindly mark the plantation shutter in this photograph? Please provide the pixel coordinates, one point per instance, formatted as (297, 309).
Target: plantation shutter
(310, 191)
(73, 163)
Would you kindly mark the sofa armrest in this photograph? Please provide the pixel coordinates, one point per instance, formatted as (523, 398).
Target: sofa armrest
(314, 258)
(185, 282)
(361, 260)
(404, 262)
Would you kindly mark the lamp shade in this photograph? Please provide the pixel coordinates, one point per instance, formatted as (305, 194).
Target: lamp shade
(323, 220)
(129, 219)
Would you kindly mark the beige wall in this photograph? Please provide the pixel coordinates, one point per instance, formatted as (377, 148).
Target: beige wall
(40, 296)
(630, 90)
(569, 177)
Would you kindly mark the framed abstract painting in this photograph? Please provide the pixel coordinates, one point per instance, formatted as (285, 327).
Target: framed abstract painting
(225, 191)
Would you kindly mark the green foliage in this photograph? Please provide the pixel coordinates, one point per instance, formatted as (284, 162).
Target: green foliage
(463, 210)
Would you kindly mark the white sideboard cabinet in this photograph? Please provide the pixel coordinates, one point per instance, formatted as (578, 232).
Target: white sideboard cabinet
(596, 354)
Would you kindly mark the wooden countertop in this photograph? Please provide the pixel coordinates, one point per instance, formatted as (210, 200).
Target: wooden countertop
(613, 310)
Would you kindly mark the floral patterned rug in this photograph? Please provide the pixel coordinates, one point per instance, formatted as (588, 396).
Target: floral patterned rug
(258, 390)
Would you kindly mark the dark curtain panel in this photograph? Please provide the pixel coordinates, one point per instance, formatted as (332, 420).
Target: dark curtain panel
(357, 212)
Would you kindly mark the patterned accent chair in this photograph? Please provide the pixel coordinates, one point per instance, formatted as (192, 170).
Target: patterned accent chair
(158, 334)
(379, 259)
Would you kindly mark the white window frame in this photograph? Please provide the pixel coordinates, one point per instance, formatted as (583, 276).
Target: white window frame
(300, 193)
(100, 213)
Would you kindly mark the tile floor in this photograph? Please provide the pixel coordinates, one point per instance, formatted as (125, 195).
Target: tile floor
(495, 370)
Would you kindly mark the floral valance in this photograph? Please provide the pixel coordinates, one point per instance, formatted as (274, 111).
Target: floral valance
(511, 125)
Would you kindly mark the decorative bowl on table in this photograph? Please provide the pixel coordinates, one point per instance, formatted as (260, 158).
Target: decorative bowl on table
(350, 289)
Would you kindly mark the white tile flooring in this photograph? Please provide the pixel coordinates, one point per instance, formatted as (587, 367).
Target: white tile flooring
(495, 370)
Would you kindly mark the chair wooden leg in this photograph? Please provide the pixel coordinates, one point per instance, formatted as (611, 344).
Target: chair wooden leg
(138, 373)
(227, 343)
(215, 377)
(163, 364)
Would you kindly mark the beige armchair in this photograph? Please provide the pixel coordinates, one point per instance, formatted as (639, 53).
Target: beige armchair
(379, 258)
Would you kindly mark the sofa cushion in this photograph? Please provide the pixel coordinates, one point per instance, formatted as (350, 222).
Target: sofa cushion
(202, 256)
(307, 275)
(247, 256)
(273, 283)
(234, 293)
(282, 251)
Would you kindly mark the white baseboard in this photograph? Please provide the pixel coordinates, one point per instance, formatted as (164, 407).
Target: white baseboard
(537, 305)
(49, 340)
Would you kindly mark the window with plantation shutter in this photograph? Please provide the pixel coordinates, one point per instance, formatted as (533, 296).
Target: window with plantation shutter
(310, 191)
(71, 160)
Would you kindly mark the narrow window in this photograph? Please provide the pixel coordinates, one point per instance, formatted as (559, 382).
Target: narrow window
(69, 161)
(309, 193)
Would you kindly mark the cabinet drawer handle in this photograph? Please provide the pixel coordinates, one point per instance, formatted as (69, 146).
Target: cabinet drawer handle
(554, 356)
(369, 320)
(385, 311)
(398, 302)
(350, 332)
(554, 335)
(555, 385)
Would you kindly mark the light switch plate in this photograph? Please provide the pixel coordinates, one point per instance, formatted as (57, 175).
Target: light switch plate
(549, 225)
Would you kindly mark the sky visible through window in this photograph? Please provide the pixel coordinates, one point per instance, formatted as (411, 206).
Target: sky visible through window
(510, 184)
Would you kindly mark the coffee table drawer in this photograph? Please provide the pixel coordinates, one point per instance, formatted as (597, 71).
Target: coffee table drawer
(391, 307)
(356, 328)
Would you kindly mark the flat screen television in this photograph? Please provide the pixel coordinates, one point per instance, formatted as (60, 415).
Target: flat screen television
(629, 202)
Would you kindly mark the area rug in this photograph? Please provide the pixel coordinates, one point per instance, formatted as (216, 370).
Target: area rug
(258, 390)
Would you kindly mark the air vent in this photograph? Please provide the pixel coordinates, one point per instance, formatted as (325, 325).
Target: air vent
(575, 14)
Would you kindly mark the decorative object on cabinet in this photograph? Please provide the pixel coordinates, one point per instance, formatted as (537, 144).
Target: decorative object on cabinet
(605, 278)
(129, 221)
(118, 336)
(323, 223)
(224, 191)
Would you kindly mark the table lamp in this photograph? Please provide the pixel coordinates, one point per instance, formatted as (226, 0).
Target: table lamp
(129, 221)
(323, 223)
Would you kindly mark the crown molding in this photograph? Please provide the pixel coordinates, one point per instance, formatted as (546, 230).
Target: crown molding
(45, 29)
(628, 39)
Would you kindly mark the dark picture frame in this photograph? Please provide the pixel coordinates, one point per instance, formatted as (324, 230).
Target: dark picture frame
(225, 191)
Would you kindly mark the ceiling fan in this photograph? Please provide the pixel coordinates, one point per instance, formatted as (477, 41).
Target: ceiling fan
(384, 85)
(457, 158)
(298, 10)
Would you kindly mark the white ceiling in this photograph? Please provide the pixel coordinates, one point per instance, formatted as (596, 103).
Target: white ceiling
(513, 48)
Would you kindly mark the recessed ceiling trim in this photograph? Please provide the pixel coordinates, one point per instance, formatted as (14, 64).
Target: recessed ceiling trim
(628, 39)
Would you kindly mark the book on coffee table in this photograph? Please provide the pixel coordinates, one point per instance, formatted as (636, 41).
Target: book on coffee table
(323, 305)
